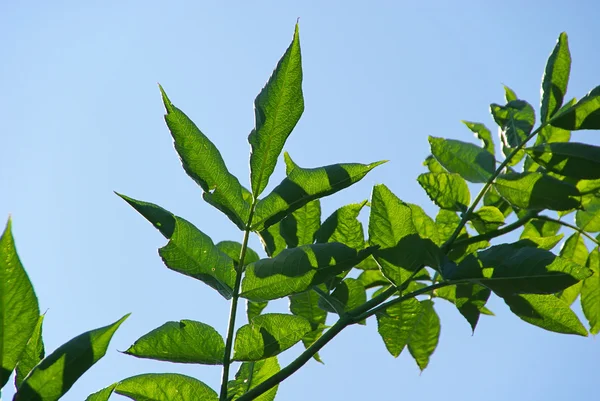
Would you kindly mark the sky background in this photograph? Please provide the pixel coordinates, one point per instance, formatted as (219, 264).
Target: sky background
(81, 117)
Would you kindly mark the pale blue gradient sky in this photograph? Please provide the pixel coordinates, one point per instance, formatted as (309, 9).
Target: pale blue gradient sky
(81, 116)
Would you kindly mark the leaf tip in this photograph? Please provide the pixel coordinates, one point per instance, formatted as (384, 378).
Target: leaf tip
(166, 100)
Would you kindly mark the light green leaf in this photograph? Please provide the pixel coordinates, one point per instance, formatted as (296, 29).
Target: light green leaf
(516, 120)
(19, 310)
(233, 249)
(185, 341)
(397, 323)
(556, 78)
(277, 109)
(493, 198)
(425, 335)
(348, 294)
(519, 268)
(588, 219)
(466, 159)
(165, 387)
(537, 191)
(297, 269)
(343, 226)
(305, 185)
(486, 219)
(268, 335)
(590, 293)
(483, 133)
(55, 375)
(446, 222)
(272, 240)
(203, 162)
(306, 305)
(433, 165)
(372, 278)
(406, 236)
(299, 228)
(448, 191)
(585, 114)
(570, 159)
(509, 94)
(540, 228)
(32, 355)
(573, 249)
(546, 311)
(254, 309)
(250, 375)
(102, 395)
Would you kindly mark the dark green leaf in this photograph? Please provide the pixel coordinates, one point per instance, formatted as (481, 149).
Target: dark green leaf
(516, 120)
(102, 395)
(556, 78)
(268, 335)
(19, 310)
(483, 133)
(486, 219)
(272, 240)
(55, 375)
(433, 165)
(254, 309)
(185, 341)
(588, 219)
(397, 323)
(277, 109)
(520, 268)
(425, 335)
(233, 250)
(343, 226)
(161, 219)
(32, 355)
(574, 249)
(165, 387)
(470, 300)
(407, 237)
(537, 191)
(304, 185)
(250, 375)
(571, 159)
(297, 269)
(202, 161)
(449, 294)
(590, 293)
(448, 191)
(466, 159)
(585, 114)
(299, 228)
(546, 311)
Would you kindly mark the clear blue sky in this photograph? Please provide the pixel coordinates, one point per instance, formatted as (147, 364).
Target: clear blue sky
(81, 116)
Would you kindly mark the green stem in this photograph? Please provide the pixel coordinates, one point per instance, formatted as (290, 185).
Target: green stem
(234, 305)
(496, 233)
(571, 226)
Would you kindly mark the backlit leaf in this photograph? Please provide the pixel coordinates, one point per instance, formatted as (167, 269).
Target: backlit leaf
(233, 250)
(433, 165)
(185, 341)
(299, 228)
(483, 133)
(306, 304)
(397, 323)
(486, 219)
(425, 335)
(32, 355)
(516, 120)
(102, 395)
(590, 293)
(277, 109)
(348, 294)
(254, 309)
(571, 159)
(448, 191)
(268, 335)
(556, 78)
(465, 159)
(372, 278)
(250, 375)
(573, 249)
(585, 114)
(343, 226)
(165, 387)
(589, 218)
(272, 240)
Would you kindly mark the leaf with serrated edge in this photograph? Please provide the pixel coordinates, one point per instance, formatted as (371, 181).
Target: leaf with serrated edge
(165, 387)
(396, 324)
(448, 191)
(343, 226)
(32, 355)
(471, 162)
(299, 228)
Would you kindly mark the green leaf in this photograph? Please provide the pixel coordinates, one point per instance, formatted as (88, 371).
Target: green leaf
(483, 133)
(272, 240)
(589, 218)
(433, 165)
(250, 375)
(297, 269)
(32, 355)
(191, 252)
(19, 310)
(372, 278)
(448, 191)
(546, 311)
(470, 300)
(349, 294)
(537, 191)
(55, 375)
(540, 228)
(277, 109)
(305, 185)
(446, 222)
(233, 249)
(306, 305)
(203, 162)
(509, 94)
(343, 226)
(425, 335)
(254, 309)
(574, 249)
(299, 228)
(487, 219)
(165, 387)
(161, 219)
(516, 120)
(585, 114)
(519, 268)
(397, 323)
(493, 198)
(449, 294)
(102, 395)
(406, 236)
(185, 341)
(465, 159)
(556, 78)
(570, 159)
(268, 335)
(590, 293)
